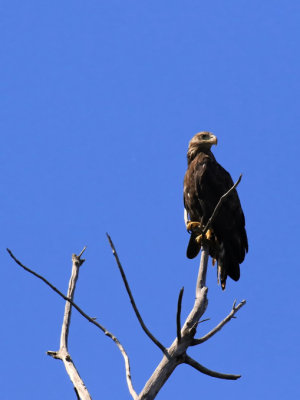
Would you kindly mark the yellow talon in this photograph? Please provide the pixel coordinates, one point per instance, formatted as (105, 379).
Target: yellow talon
(198, 239)
(192, 225)
(209, 234)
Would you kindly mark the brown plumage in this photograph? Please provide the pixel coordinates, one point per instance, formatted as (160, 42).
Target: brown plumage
(205, 182)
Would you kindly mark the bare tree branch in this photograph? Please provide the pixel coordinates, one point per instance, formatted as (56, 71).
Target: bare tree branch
(77, 395)
(76, 263)
(178, 315)
(217, 208)
(221, 324)
(90, 319)
(190, 361)
(201, 279)
(63, 352)
(173, 356)
(138, 315)
(177, 351)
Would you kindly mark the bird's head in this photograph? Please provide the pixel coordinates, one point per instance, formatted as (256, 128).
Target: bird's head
(201, 142)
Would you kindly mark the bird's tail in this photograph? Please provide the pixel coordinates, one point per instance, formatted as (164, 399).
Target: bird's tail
(227, 266)
(193, 247)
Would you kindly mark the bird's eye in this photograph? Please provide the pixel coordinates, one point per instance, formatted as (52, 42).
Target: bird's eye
(204, 136)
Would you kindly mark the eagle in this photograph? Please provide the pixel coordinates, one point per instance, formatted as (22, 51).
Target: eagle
(205, 182)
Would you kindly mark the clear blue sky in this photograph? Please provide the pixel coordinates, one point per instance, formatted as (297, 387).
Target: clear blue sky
(98, 102)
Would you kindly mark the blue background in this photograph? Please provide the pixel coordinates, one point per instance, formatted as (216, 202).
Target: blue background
(98, 103)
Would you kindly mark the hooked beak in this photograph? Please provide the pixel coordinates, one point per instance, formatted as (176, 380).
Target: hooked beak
(213, 139)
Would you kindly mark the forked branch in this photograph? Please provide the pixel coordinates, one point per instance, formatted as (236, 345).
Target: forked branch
(63, 352)
(231, 315)
(55, 354)
(173, 356)
(177, 351)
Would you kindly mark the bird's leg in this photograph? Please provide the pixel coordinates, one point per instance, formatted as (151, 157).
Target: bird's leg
(196, 228)
(211, 241)
(200, 235)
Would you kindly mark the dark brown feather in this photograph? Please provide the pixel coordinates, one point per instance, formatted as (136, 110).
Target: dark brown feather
(205, 182)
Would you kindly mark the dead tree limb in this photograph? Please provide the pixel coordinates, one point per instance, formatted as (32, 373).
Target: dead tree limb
(137, 313)
(231, 315)
(173, 356)
(63, 352)
(178, 315)
(177, 351)
(90, 319)
(193, 363)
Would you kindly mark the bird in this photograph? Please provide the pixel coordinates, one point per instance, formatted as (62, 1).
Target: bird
(205, 182)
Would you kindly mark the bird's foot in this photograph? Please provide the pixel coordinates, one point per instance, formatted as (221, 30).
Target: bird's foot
(209, 234)
(193, 225)
(199, 239)
(210, 240)
(208, 237)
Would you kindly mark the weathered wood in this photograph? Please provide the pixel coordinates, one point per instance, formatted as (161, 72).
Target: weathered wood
(177, 351)
(173, 356)
(55, 354)
(63, 353)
